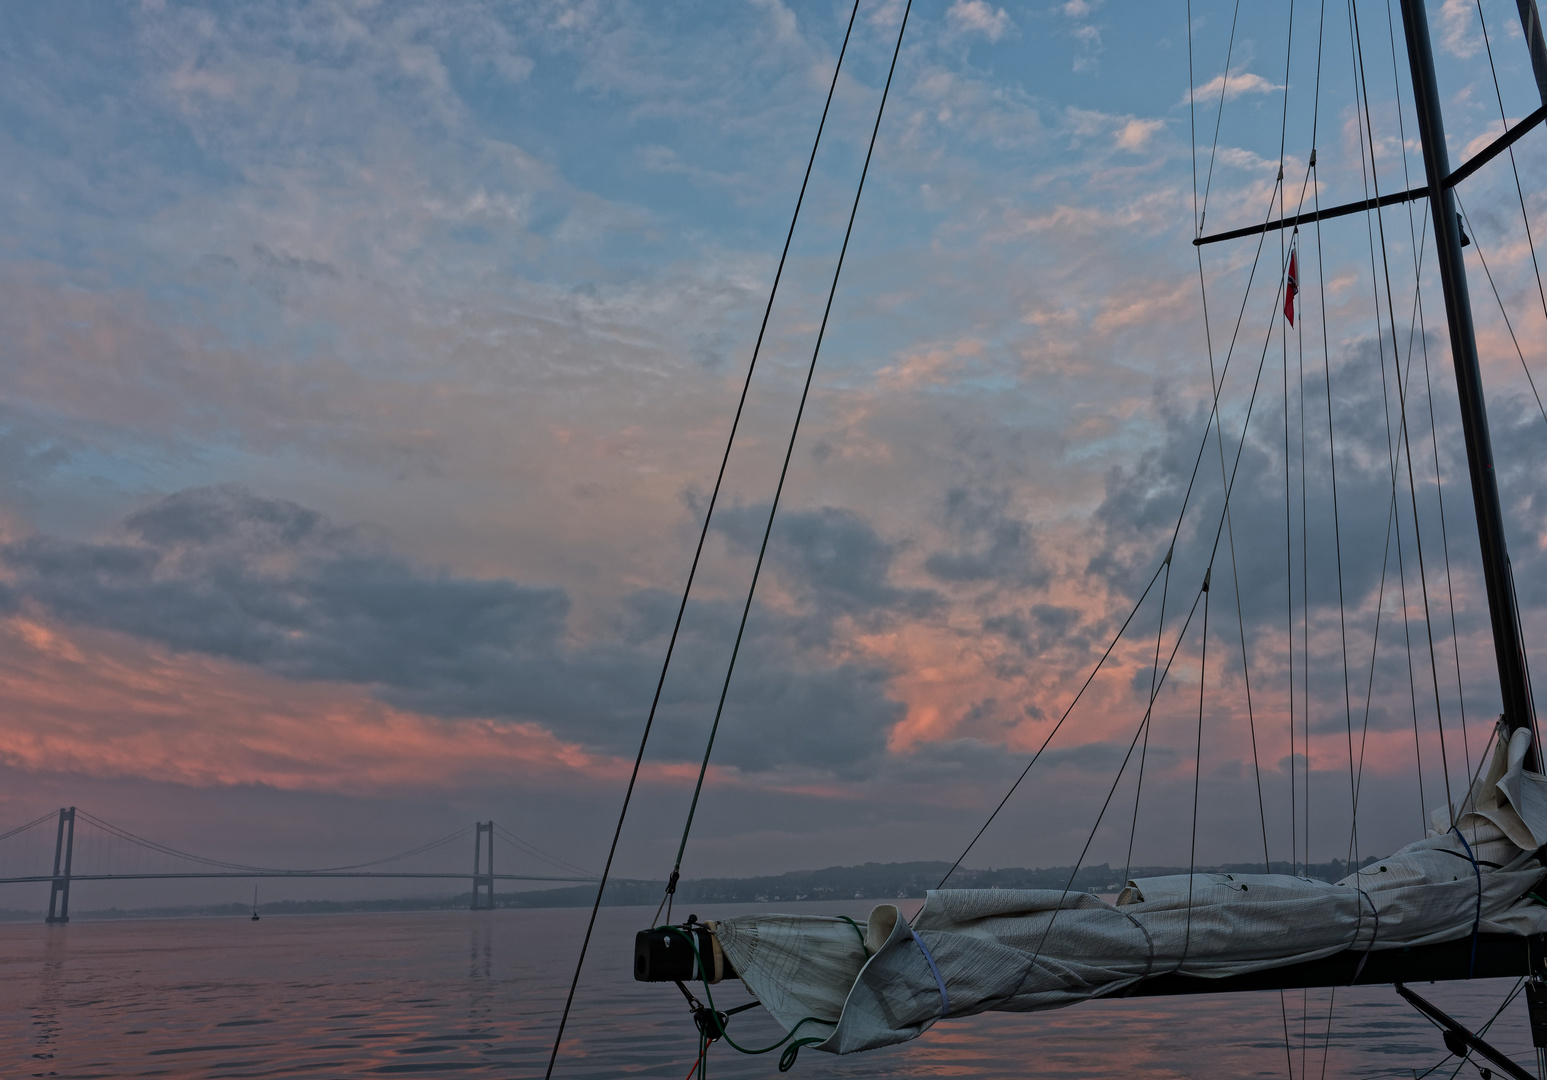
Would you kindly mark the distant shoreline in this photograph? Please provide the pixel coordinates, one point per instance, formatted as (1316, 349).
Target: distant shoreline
(870, 881)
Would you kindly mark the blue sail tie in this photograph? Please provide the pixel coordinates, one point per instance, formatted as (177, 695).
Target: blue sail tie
(945, 999)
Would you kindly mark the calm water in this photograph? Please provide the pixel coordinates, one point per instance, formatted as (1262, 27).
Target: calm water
(458, 993)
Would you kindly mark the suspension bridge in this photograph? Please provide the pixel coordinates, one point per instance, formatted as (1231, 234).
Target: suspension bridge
(112, 853)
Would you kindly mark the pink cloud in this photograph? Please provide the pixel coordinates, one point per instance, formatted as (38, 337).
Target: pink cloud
(104, 705)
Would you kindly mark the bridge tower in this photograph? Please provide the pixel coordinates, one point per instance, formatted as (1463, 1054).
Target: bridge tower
(59, 887)
(483, 881)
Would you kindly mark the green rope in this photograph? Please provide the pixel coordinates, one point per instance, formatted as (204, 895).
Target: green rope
(861, 934)
(787, 1059)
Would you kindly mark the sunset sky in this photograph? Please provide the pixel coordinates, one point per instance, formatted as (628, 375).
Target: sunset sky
(367, 366)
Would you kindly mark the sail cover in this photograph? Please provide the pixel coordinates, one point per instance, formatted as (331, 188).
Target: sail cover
(870, 984)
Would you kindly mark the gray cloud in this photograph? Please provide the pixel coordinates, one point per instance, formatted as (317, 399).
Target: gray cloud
(995, 546)
(833, 557)
(1042, 629)
(1519, 437)
(223, 572)
(1138, 514)
(267, 582)
(1275, 543)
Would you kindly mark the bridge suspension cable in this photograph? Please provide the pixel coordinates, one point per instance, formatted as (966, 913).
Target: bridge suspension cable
(535, 852)
(30, 825)
(521, 844)
(124, 834)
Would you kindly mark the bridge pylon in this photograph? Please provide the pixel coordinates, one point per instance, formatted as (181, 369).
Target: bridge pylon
(64, 850)
(483, 881)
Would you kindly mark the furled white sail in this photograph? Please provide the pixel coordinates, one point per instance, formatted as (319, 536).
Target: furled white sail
(971, 950)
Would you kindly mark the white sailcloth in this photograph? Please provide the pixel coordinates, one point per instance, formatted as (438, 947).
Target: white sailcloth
(972, 950)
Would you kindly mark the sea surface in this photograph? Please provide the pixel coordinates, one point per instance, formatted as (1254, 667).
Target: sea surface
(457, 993)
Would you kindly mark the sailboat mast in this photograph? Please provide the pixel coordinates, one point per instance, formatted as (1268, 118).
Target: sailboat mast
(1531, 26)
(1463, 347)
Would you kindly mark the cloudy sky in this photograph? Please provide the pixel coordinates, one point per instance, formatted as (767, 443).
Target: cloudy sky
(367, 366)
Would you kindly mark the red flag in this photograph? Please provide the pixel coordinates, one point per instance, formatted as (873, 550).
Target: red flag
(1291, 288)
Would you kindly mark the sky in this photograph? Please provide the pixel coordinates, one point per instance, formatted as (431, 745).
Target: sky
(367, 367)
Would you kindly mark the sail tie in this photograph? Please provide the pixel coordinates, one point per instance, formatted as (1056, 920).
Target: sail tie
(1374, 937)
(1478, 917)
(945, 998)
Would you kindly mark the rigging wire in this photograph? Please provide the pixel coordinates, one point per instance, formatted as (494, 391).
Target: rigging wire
(1439, 486)
(1176, 531)
(1192, 124)
(1418, 329)
(1219, 114)
(1369, 690)
(1217, 386)
(1362, 113)
(1326, 1042)
(1305, 599)
(1369, 174)
(1535, 734)
(1219, 429)
(644, 739)
(1418, 243)
(1226, 521)
(1289, 607)
(1418, 239)
(1477, 246)
(788, 454)
(1081, 693)
(1278, 192)
(1401, 380)
(1138, 791)
(1213, 555)
(1197, 768)
(1406, 438)
(1091, 835)
(1379, 607)
(1283, 136)
(1525, 660)
(1262, 814)
(1337, 531)
(1390, 516)
(1519, 191)
(1362, 91)
(1214, 417)
(1289, 1056)
(1541, 294)
(1305, 544)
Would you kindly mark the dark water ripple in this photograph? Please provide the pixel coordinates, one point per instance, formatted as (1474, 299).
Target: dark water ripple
(464, 994)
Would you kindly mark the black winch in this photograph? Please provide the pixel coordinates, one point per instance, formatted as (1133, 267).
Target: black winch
(680, 954)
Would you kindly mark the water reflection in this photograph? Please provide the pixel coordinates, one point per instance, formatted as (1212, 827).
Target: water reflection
(45, 1007)
(448, 993)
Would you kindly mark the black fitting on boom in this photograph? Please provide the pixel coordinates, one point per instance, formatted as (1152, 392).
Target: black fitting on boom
(680, 954)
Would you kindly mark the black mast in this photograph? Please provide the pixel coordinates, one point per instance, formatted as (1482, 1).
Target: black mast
(1531, 26)
(1463, 346)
